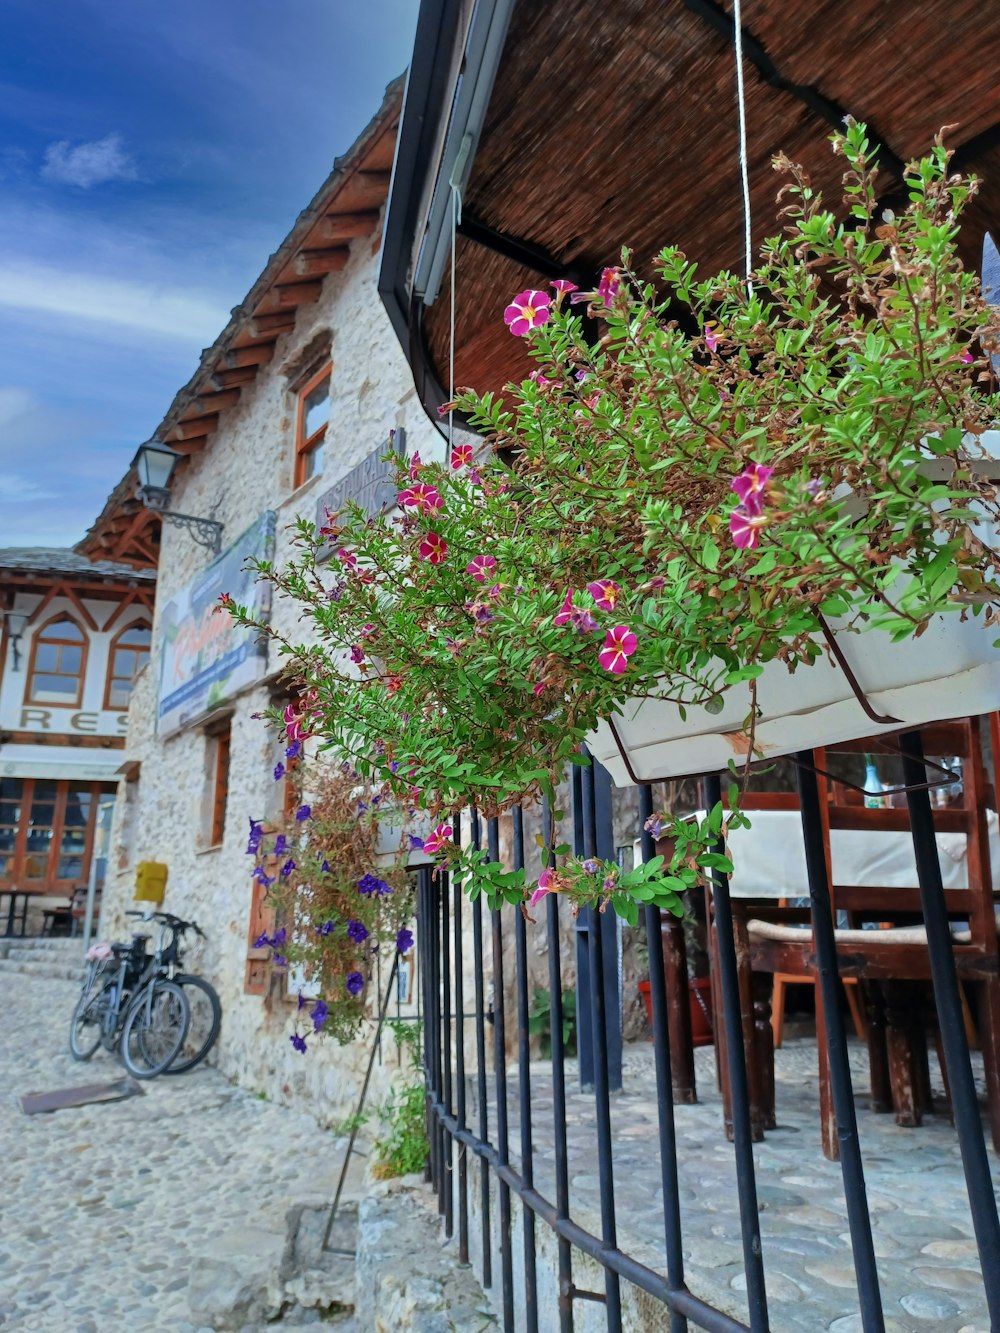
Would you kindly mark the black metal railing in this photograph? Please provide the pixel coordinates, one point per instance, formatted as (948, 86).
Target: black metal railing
(470, 1162)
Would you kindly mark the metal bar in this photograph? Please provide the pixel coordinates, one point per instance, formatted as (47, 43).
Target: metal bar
(500, 1083)
(460, 1107)
(586, 981)
(664, 1083)
(355, 1122)
(561, 1154)
(706, 1316)
(524, 1084)
(423, 930)
(746, 1183)
(605, 1158)
(852, 1168)
(434, 899)
(955, 1046)
(447, 1174)
(484, 1120)
(610, 926)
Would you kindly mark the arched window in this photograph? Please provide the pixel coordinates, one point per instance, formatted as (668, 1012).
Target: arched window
(58, 664)
(128, 654)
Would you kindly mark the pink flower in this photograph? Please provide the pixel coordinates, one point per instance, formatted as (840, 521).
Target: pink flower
(607, 288)
(421, 497)
(481, 567)
(967, 358)
(540, 687)
(294, 730)
(546, 884)
(357, 654)
(474, 478)
(751, 484)
(495, 591)
(415, 466)
(433, 548)
(745, 523)
(561, 286)
(347, 558)
(711, 339)
(605, 593)
(619, 645)
(435, 843)
(541, 380)
(527, 311)
(565, 612)
(461, 456)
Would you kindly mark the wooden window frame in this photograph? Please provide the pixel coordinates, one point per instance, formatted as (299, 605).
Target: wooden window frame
(50, 881)
(81, 675)
(222, 741)
(110, 677)
(306, 445)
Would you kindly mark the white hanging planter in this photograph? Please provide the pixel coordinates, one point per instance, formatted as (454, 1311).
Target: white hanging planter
(952, 670)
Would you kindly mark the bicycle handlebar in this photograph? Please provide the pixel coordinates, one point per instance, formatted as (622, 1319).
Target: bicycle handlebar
(176, 924)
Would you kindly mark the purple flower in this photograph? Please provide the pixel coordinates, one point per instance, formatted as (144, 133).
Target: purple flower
(355, 983)
(654, 825)
(591, 867)
(325, 928)
(293, 750)
(404, 941)
(369, 884)
(279, 937)
(325, 867)
(279, 960)
(279, 771)
(262, 877)
(416, 844)
(302, 1001)
(394, 766)
(261, 942)
(583, 621)
(280, 845)
(357, 931)
(299, 1043)
(303, 812)
(287, 868)
(336, 591)
(362, 807)
(256, 833)
(320, 1013)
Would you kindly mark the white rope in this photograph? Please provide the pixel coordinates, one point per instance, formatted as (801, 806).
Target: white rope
(744, 167)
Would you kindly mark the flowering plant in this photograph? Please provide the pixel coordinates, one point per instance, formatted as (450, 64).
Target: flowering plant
(336, 907)
(662, 512)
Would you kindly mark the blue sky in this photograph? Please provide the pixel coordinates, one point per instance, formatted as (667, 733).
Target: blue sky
(152, 156)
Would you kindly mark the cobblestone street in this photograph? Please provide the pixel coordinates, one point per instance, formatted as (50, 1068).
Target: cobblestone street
(107, 1207)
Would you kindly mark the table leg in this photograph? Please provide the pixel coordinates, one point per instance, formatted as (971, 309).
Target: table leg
(678, 1009)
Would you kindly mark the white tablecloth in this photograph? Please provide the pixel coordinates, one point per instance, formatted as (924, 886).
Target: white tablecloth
(769, 858)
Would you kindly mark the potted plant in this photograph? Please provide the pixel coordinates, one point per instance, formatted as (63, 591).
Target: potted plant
(673, 529)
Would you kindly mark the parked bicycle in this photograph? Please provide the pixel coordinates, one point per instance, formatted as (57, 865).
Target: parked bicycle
(128, 1003)
(177, 1014)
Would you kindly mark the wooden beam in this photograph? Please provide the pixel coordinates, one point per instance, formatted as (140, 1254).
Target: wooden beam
(294, 294)
(195, 429)
(215, 402)
(228, 379)
(241, 357)
(313, 263)
(372, 182)
(338, 226)
(271, 324)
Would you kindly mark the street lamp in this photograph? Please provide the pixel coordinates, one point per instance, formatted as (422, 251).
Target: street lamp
(17, 623)
(154, 463)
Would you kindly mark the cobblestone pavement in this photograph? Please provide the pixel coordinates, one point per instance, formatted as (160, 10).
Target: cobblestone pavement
(104, 1208)
(922, 1228)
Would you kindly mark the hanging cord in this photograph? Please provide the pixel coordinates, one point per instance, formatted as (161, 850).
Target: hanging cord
(744, 168)
(455, 183)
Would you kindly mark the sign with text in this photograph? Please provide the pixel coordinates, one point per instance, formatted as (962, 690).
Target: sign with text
(371, 484)
(204, 658)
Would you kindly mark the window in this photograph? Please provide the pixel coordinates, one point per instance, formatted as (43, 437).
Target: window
(310, 425)
(58, 664)
(128, 654)
(220, 786)
(46, 832)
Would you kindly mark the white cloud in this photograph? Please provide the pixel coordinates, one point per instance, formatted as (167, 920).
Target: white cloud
(146, 307)
(87, 164)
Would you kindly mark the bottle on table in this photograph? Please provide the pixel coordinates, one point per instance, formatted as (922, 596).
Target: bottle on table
(875, 797)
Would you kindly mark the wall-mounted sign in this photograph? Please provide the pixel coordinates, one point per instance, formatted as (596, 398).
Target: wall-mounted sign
(371, 484)
(205, 658)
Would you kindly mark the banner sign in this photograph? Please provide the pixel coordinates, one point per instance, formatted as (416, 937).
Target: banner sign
(372, 484)
(205, 658)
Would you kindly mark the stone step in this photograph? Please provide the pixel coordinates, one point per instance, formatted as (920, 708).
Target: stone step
(20, 954)
(42, 946)
(55, 971)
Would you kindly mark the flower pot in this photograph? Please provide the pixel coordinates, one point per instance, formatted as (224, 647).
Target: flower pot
(392, 832)
(952, 670)
(700, 999)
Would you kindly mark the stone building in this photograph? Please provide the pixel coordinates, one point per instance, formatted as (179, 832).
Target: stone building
(290, 409)
(75, 632)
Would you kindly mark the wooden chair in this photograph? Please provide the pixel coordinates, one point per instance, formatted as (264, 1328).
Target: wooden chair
(890, 962)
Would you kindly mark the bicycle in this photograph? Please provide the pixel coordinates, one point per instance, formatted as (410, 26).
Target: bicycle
(127, 1002)
(203, 1000)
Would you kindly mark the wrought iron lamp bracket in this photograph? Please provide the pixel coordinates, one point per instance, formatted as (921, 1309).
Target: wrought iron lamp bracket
(205, 531)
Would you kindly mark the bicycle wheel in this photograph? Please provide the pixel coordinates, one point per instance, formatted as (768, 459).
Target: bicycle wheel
(203, 1029)
(154, 1029)
(87, 1022)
